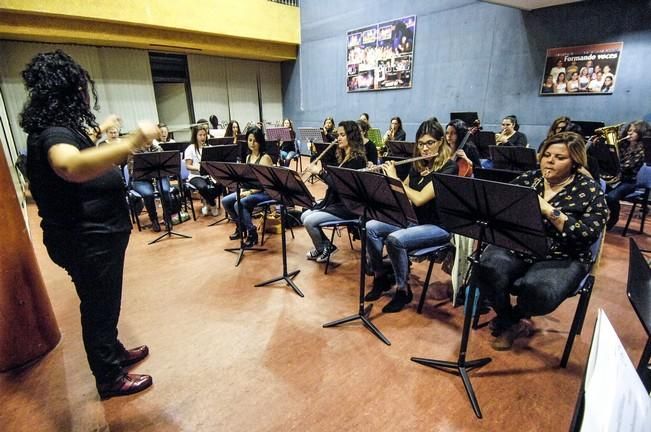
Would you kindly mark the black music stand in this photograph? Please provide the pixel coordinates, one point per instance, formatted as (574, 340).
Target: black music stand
(371, 196)
(513, 158)
(178, 146)
(638, 290)
(329, 158)
(220, 141)
(311, 135)
(220, 153)
(286, 187)
(229, 174)
(505, 215)
(155, 166)
(279, 134)
(401, 148)
(485, 139)
(498, 175)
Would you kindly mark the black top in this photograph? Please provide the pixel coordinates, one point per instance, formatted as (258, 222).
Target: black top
(371, 152)
(96, 206)
(331, 203)
(518, 139)
(428, 213)
(584, 203)
(400, 136)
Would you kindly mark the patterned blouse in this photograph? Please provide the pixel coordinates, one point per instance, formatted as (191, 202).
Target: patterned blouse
(584, 204)
(631, 159)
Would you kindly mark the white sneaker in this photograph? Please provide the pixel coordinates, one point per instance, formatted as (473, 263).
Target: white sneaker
(214, 210)
(313, 254)
(204, 210)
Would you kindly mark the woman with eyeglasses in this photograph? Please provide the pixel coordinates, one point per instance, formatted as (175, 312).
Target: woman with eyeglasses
(431, 141)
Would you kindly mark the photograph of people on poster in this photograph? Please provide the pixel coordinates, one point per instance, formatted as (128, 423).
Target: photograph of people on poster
(380, 56)
(581, 70)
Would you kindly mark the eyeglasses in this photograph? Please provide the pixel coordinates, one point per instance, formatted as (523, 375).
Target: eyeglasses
(429, 143)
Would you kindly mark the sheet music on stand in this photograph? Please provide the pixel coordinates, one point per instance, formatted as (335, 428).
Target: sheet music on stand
(314, 135)
(279, 134)
(615, 398)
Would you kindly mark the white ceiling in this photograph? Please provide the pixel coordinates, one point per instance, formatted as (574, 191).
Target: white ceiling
(531, 4)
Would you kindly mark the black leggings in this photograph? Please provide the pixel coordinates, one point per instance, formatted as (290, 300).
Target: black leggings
(207, 190)
(95, 263)
(540, 287)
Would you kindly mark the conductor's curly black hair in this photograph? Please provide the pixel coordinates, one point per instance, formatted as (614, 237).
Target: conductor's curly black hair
(57, 89)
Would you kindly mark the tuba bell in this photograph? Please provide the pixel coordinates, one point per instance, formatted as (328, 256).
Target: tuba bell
(609, 159)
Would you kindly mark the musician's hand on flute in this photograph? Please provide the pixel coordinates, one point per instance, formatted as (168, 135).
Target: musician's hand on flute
(315, 168)
(389, 168)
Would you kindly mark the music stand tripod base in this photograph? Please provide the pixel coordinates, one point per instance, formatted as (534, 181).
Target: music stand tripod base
(363, 316)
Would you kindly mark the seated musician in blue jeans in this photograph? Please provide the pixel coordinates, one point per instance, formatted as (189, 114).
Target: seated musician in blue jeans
(249, 195)
(430, 139)
(574, 213)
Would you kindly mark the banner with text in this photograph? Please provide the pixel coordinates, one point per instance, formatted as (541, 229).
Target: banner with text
(586, 69)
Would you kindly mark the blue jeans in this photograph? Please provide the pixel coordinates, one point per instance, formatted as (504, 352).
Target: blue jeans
(146, 190)
(248, 204)
(311, 220)
(613, 197)
(399, 241)
(286, 157)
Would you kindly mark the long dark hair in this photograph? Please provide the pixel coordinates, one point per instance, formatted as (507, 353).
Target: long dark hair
(355, 141)
(57, 88)
(258, 134)
(229, 128)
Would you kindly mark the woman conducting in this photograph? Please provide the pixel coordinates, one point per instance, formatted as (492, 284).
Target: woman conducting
(574, 214)
(430, 141)
(80, 197)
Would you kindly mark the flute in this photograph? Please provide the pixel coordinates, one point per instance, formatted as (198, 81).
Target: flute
(318, 158)
(402, 162)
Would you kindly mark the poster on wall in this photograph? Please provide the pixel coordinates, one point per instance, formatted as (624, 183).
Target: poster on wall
(581, 70)
(381, 56)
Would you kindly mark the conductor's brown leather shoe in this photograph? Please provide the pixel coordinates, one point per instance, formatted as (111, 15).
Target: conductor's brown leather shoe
(124, 385)
(133, 356)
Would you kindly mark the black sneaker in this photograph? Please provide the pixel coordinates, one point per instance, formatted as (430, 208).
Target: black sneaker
(399, 301)
(328, 251)
(380, 285)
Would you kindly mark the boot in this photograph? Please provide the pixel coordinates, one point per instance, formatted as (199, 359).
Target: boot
(236, 234)
(251, 238)
(155, 226)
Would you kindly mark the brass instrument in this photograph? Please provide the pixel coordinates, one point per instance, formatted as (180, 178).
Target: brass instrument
(611, 171)
(378, 168)
(318, 158)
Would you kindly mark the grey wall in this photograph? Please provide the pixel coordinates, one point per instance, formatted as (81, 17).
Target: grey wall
(470, 56)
